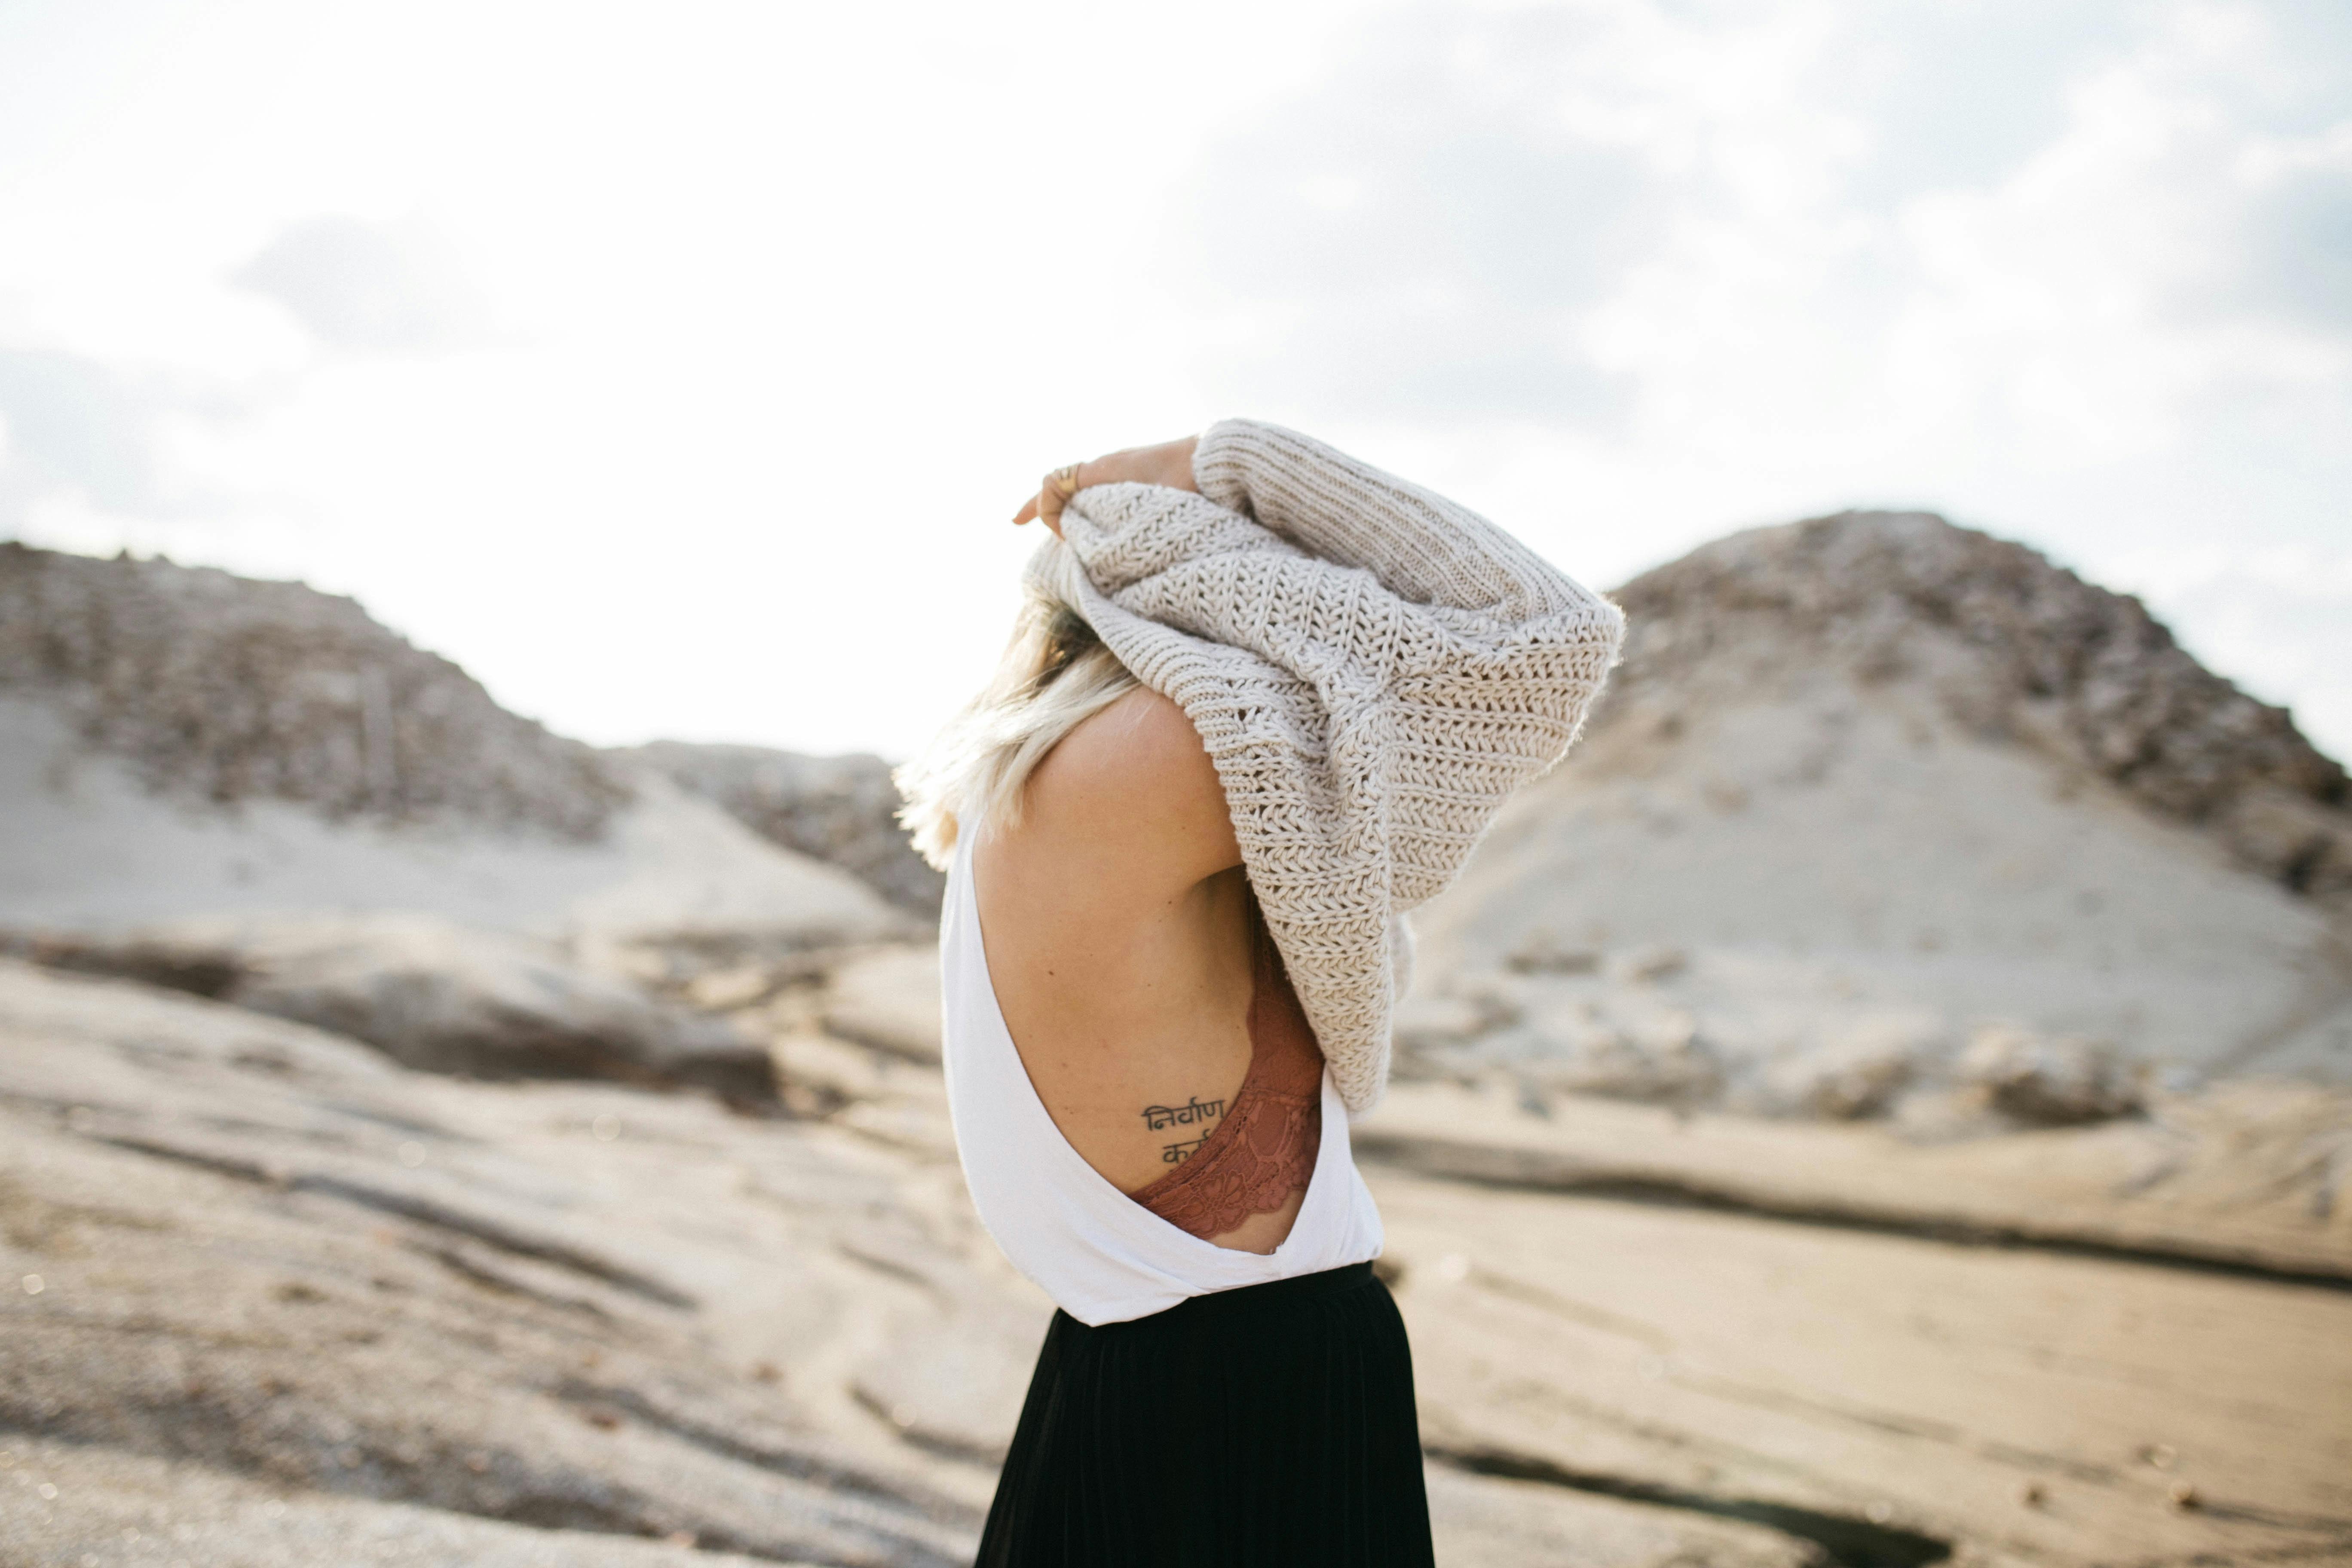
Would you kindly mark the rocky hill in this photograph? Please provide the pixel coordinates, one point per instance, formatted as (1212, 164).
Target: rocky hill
(181, 743)
(1882, 813)
(220, 688)
(253, 792)
(843, 810)
(2012, 648)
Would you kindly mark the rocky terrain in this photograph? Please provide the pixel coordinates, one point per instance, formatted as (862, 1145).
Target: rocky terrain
(842, 810)
(224, 689)
(2007, 644)
(1882, 817)
(271, 1294)
(434, 1174)
(251, 790)
(477, 1003)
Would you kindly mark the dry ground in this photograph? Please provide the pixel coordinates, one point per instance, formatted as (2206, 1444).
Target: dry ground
(298, 1305)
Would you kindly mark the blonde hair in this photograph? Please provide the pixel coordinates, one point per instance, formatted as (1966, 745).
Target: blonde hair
(1055, 674)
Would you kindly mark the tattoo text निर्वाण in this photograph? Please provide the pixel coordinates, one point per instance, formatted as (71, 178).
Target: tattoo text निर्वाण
(1157, 1117)
(1194, 1112)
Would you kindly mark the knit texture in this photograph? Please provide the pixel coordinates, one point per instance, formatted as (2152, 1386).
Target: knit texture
(1374, 670)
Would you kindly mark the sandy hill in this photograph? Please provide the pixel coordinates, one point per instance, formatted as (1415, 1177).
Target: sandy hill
(843, 810)
(250, 776)
(208, 687)
(1878, 806)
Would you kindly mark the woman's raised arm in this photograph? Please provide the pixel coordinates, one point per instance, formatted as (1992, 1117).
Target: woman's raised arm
(1420, 545)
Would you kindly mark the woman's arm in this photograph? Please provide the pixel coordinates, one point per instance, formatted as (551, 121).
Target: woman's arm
(1168, 465)
(1387, 636)
(1420, 545)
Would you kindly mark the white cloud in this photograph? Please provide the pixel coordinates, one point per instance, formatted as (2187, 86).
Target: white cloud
(358, 285)
(73, 422)
(106, 443)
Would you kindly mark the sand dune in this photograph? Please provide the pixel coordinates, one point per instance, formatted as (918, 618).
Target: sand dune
(1820, 844)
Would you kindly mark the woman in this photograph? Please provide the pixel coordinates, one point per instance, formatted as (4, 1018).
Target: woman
(1262, 700)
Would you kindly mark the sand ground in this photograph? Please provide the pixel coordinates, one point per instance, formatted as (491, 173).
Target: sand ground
(291, 1294)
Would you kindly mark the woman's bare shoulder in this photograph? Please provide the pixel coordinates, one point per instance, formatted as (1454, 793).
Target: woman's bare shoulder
(1135, 779)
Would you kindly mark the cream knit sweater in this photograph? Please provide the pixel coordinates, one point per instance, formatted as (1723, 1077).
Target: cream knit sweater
(1374, 670)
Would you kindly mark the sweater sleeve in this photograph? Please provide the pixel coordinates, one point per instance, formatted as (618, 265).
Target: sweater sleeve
(1420, 545)
(1460, 660)
(1372, 668)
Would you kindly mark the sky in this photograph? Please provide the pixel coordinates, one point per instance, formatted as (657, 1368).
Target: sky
(676, 369)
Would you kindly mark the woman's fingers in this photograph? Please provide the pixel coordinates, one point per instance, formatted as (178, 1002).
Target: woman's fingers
(1054, 492)
(1169, 464)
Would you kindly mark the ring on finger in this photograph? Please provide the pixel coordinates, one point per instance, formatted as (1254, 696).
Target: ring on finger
(1064, 480)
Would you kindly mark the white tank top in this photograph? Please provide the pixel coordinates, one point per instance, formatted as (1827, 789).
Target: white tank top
(1101, 1256)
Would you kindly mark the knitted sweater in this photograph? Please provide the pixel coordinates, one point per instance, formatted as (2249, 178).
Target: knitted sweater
(1374, 670)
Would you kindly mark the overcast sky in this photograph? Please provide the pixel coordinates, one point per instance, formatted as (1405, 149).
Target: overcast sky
(675, 368)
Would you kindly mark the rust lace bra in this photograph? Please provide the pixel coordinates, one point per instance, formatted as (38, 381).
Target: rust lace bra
(1264, 1149)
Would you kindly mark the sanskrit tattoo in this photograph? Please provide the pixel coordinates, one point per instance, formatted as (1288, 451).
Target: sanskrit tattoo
(1195, 1111)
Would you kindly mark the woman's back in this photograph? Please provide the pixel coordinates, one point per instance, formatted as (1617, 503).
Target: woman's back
(1119, 941)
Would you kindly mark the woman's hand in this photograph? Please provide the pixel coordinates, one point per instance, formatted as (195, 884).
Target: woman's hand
(1169, 464)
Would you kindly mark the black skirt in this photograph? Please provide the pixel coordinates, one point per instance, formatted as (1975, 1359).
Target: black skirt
(1272, 1424)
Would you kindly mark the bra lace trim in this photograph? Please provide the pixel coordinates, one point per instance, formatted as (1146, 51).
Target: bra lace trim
(1264, 1149)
